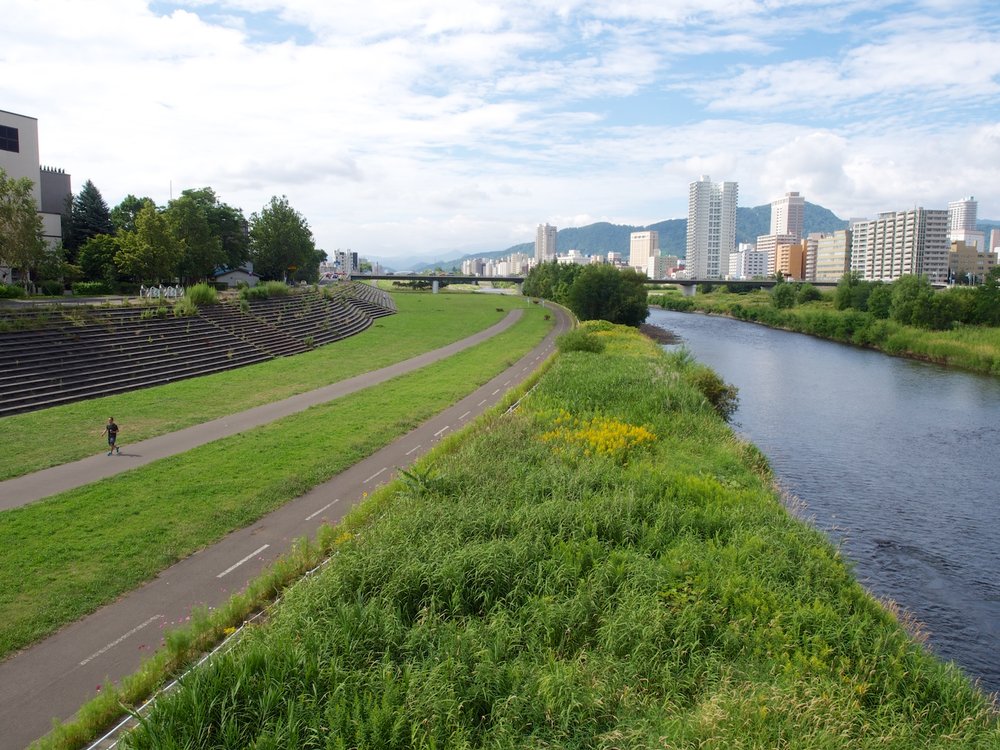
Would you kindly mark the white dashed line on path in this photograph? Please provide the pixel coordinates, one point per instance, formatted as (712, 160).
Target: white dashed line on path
(311, 516)
(481, 402)
(115, 642)
(438, 433)
(495, 392)
(374, 475)
(465, 415)
(413, 450)
(231, 568)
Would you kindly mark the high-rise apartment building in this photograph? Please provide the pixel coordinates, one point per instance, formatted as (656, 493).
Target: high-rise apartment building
(545, 243)
(711, 227)
(641, 246)
(833, 255)
(788, 215)
(901, 243)
(747, 263)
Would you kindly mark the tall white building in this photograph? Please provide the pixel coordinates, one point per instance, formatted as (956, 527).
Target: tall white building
(711, 227)
(641, 246)
(788, 215)
(901, 243)
(962, 223)
(545, 243)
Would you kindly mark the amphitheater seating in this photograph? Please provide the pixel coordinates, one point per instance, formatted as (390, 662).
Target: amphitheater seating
(65, 354)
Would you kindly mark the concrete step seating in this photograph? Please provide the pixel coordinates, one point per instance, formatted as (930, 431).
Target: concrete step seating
(68, 355)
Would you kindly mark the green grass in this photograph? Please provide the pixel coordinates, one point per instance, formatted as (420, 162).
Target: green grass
(37, 440)
(71, 553)
(542, 585)
(975, 348)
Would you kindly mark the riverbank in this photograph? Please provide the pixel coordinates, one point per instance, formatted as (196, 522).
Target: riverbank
(973, 348)
(605, 566)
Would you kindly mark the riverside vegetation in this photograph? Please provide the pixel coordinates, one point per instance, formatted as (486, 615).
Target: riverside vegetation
(606, 566)
(958, 327)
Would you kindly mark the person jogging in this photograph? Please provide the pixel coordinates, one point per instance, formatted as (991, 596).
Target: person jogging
(112, 431)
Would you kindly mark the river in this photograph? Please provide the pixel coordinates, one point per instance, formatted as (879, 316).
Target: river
(896, 460)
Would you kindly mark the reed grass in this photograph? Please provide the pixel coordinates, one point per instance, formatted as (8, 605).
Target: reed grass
(511, 594)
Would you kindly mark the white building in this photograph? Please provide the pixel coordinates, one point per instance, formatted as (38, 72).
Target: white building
(788, 215)
(769, 244)
(545, 243)
(19, 157)
(962, 223)
(747, 263)
(573, 257)
(711, 227)
(642, 246)
(901, 243)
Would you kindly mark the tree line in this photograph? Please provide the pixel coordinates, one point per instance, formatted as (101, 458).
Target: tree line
(592, 292)
(139, 242)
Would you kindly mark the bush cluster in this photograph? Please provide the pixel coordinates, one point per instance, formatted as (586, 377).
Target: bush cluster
(12, 291)
(202, 294)
(90, 288)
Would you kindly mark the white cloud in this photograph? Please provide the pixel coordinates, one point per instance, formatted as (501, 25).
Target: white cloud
(411, 125)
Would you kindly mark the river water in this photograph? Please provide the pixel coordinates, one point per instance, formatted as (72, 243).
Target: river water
(896, 460)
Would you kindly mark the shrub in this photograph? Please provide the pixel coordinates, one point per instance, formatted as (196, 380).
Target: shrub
(808, 293)
(11, 291)
(723, 397)
(85, 288)
(783, 296)
(202, 294)
(579, 340)
(185, 308)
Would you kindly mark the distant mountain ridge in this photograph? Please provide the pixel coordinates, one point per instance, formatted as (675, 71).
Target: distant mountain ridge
(604, 237)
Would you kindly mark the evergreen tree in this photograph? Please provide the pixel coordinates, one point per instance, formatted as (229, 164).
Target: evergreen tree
(90, 217)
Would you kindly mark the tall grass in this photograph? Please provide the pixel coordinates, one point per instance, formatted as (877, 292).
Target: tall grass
(519, 593)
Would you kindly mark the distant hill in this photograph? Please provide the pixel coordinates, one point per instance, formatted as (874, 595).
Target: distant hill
(604, 237)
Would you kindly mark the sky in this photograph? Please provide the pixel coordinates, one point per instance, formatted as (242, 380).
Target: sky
(431, 128)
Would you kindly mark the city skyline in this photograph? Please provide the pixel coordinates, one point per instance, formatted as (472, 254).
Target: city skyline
(405, 128)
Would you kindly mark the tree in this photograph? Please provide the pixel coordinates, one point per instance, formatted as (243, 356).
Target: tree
(123, 215)
(98, 258)
(783, 295)
(602, 292)
(880, 300)
(281, 242)
(150, 253)
(200, 247)
(89, 217)
(21, 242)
(986, 308)
(912, 298)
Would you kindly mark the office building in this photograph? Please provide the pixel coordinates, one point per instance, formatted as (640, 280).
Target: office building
(768, 244)
(643, 245)
(711, 227)
(901, 243)
(833, 255)
(788, 215)
(19, 158)
(747, 263)
(968, 265)
(790, 260)
(545, 243)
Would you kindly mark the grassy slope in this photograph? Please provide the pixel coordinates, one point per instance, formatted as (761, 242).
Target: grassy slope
(975, 348)
(557, 581)
(69, 554)
(29, 442)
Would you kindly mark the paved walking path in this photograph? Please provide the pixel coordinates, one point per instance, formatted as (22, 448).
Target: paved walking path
(47, 482)
(56, 676)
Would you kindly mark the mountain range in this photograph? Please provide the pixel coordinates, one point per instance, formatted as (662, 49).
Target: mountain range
(604, 237)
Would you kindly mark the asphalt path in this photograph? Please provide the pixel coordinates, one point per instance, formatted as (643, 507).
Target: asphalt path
(53, 678)
(47, 482)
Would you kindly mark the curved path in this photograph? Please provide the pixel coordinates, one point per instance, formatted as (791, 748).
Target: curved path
(53, 678)
(47, 482)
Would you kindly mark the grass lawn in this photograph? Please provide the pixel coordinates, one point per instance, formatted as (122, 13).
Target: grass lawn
(69, 554)
(37, 440)
(607, 567)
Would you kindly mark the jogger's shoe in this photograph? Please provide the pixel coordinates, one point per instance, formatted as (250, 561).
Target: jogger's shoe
(109, 453)
(118, 450)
